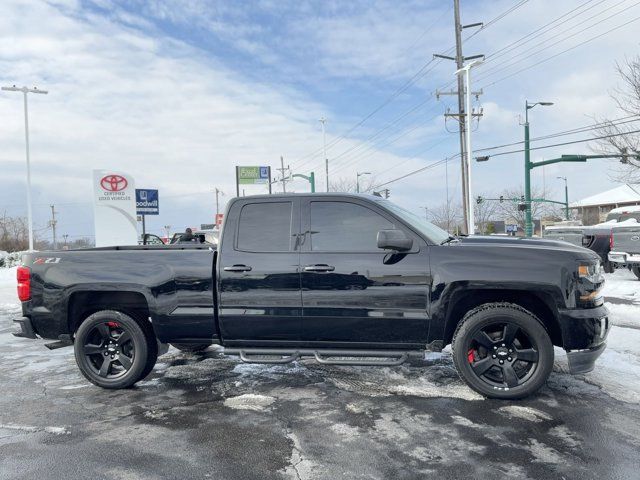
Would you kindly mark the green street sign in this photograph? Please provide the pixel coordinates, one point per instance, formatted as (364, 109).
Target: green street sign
(253, 175)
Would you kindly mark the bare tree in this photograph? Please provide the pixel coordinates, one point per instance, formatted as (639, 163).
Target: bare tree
(447, 215)
(14, 233)
(484, 212)
(346, 184)
(622, 136)
(510, 211)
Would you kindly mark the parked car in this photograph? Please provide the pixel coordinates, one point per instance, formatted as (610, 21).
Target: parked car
(208, 237)
(341, 278)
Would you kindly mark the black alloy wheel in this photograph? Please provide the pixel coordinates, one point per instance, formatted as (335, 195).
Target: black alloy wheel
(503, 355)
(114, 350)
(109, 349)
(502, 351)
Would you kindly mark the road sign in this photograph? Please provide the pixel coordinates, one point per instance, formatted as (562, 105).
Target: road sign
(253, 175)
(147, 202)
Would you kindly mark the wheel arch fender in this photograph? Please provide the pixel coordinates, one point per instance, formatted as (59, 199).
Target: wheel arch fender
(541, 303)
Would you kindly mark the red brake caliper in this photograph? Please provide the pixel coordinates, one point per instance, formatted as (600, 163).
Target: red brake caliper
(471, 356)
(113, 324)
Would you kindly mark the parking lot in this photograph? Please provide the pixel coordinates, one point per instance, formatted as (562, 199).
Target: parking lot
(210, 416)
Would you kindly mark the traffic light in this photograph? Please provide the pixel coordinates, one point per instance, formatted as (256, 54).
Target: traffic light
(522, 206)
(522, 198)
(386, 193)
(501, 198)
(479, 200)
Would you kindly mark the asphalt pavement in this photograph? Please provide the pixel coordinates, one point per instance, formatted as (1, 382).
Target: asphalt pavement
(210, 416)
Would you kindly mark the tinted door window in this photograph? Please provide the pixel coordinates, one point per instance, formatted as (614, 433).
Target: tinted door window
(345, 227)
(265, 227)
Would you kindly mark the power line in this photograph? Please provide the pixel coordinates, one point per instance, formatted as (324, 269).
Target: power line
(514, 60)
(446, 159)
(560, 53)
(531, 35)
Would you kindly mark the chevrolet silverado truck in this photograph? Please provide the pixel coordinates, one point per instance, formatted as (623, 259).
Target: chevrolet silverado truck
(344, 279)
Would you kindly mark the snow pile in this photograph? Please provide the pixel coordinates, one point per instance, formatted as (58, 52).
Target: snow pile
(8, 260)
(249, 401)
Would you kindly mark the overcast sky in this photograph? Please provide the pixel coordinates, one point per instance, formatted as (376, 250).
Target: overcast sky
(179, 92)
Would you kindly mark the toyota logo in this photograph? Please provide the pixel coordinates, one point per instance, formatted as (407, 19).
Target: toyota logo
(114, 183)
(635, 238)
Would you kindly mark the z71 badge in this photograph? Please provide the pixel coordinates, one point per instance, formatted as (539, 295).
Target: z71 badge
(41, 260)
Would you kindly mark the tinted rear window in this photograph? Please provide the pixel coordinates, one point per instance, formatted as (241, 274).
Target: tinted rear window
(265, 227)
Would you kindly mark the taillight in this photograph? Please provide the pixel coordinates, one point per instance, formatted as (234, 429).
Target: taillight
(611, 240)
(24, 283)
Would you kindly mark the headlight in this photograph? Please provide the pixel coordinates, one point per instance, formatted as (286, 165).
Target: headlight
(589, 270)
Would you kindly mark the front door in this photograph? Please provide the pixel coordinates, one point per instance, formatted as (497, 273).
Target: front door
(354, 293)
(258, 273)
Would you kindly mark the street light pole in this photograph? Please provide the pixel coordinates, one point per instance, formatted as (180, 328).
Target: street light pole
(528, 221)
(324, 151)
(566, 197)
(358, 175)
(26, 90)
(468, 117)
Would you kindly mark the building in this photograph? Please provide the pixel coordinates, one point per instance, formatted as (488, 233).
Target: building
(594, 209)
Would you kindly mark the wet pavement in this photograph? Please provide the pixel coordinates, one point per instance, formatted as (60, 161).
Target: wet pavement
(209, 416)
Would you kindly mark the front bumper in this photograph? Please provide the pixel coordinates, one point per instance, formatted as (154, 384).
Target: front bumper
(584, 336)
(624, 258)
(26, 328)
(583, 361)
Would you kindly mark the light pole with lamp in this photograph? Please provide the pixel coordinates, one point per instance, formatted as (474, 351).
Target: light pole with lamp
(528, 222)
(566, 197)
(26, 90)
(469, 115)
(358, 175)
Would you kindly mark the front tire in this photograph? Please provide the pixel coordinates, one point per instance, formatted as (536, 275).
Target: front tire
(502, 351)
(113, 350)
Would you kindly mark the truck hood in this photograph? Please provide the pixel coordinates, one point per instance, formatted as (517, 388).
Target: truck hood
(522, 242)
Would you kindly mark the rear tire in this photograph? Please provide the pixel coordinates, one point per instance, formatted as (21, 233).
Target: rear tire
(191, 347)
(502, 351)
(113, 350)
(636, 271)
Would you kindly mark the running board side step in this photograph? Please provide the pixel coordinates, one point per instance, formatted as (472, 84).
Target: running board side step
(384, 358)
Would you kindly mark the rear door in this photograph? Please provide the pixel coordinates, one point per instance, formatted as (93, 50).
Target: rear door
(354, 293)
(258, 273)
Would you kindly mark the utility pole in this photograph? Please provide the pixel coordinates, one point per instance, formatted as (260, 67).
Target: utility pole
(468, 117)
(566, 197)
(53, 223)
(324, 151)
(282, 172)
(460, 59)
(26, 90)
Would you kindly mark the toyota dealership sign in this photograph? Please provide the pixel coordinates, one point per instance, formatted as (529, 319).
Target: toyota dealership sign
(114, 208)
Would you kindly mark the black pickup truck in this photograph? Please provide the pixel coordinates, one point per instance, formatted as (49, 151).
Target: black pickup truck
(346, 279)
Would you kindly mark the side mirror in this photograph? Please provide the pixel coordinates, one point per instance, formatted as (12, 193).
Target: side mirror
(394, 240)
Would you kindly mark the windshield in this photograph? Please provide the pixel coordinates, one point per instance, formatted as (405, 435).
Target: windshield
(428, 229)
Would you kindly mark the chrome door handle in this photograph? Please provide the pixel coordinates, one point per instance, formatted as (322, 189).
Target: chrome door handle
(238, 268)
(319, 268)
